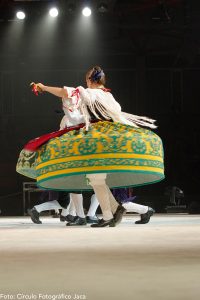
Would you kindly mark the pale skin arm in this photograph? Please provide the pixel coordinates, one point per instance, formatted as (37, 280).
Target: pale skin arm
(56, 91)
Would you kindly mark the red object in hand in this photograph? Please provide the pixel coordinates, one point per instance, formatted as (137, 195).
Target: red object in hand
(35, 89)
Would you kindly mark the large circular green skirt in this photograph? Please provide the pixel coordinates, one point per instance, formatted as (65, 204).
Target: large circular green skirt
(130, 157)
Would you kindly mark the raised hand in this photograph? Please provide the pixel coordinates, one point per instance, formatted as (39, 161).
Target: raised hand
(37, 88)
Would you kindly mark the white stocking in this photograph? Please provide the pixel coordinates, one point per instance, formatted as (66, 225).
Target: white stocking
(49, 205)
(71, 208)
(94, 203)
(77, 199)
(134, 207)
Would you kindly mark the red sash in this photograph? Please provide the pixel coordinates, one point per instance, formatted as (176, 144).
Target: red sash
(34, 144)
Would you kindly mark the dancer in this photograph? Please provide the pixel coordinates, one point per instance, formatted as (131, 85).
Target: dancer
(74, 215)
(56, 200)
(144, 211)
(108, 149)
(81, 218)
(72, 210)
(125, 197)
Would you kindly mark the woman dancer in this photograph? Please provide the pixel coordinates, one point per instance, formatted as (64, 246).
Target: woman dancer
(107, 149)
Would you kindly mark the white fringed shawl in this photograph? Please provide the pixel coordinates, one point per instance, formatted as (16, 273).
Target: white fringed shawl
(97, 100)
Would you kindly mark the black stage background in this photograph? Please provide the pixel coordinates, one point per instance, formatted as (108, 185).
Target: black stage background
(150, 53)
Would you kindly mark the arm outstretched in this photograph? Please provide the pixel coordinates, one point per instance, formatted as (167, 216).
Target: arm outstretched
(56, 91)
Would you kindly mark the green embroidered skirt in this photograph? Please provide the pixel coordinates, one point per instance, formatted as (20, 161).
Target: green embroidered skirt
(130, 156)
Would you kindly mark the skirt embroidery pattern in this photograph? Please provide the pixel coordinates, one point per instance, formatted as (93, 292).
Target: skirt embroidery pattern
(106, 147)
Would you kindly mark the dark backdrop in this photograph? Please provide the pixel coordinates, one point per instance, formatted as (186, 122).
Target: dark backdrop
(150, 70)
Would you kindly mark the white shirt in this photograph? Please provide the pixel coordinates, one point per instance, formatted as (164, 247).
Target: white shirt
(71, 117)
(97, 100)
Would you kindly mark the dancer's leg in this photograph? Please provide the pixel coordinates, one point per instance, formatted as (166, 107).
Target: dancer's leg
(70, 210)
(34, 213)
(97, 181)
(113, 203)
(94, 203)
(77, 199)
(49, 205)
(134, 207)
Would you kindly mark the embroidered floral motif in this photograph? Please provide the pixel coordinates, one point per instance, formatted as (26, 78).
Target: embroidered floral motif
(106, 145)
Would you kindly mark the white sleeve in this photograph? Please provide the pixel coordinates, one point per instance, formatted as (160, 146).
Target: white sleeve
(86, 95)
(71, 102)
(69, 93)
(68, 89)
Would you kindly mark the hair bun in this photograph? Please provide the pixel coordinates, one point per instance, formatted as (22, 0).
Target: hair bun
(97, 74)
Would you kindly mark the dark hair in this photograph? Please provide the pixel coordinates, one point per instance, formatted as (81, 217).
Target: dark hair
(97, 75)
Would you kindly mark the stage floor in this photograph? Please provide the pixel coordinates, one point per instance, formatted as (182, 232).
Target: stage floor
(158, 260)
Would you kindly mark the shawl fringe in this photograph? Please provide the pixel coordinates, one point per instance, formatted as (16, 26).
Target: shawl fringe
(116, 116)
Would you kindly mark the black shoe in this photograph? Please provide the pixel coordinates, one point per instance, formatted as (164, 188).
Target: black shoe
(119, 214)
(34, 214)
(92, 220)
(62, 218)
(78, 222)
(68, 218)
(103, 223)
(145, 218)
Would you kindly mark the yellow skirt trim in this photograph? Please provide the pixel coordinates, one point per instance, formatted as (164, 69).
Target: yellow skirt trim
(92, 169)
(99, 156)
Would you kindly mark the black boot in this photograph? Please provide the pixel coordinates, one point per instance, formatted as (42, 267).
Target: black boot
(78, 222)
(119, 214)
(103, 223)
(34, 214)
(145, 218)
